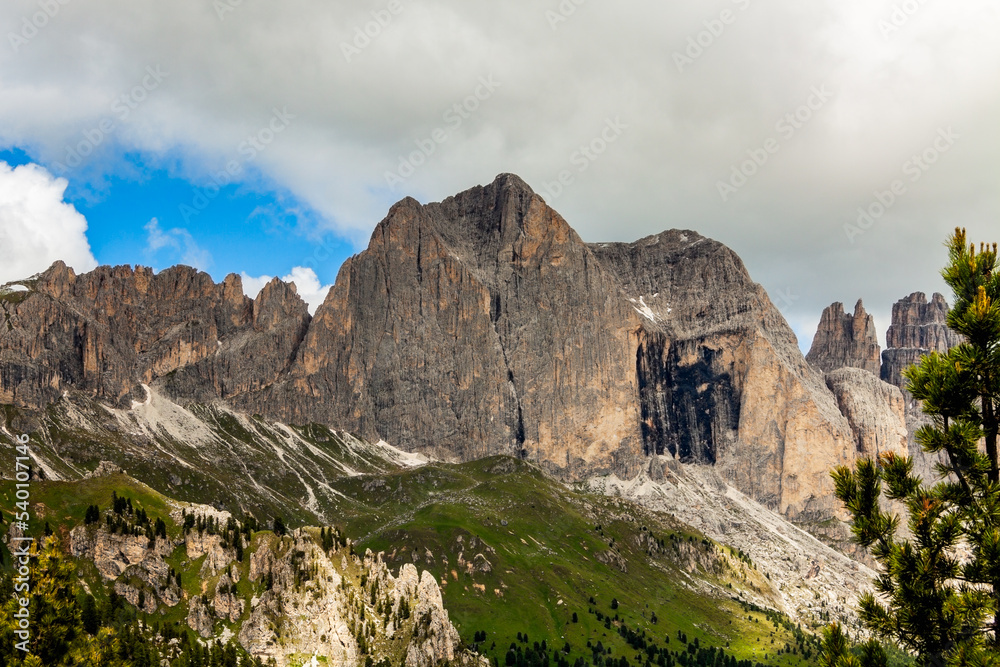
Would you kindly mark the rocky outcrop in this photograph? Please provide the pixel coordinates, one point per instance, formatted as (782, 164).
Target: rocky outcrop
(200, 617)
(299, 599)
(434, 637)
(200, 543)
(105, 469)
(114, 553)
(225, 603)
(844, 340)
(108, 331)
(875, 410)
(135, 594)
(479, 325)
(339, 606)
(136, 567)
(918, 328)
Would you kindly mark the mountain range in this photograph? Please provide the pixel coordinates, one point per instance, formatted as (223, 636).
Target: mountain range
(480, 325)
(474, 328)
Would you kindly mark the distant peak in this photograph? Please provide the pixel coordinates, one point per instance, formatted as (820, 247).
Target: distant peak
(845, 340)
(512, 182)
(835, 309)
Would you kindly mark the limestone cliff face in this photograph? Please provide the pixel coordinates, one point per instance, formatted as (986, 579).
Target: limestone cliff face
(875, 409)
(108, 331)
(481, 325)
(845, 340)
(918, 328)
(475, 326)
(721, 379)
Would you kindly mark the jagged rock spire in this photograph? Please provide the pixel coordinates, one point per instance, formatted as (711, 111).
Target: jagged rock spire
(918, 327)
(844, 340)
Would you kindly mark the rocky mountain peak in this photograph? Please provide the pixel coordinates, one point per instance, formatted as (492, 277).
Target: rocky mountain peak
(278, 301)
(57, 280)
(845, 340)
(108, 331)
(512, 181)
(475, 326)
(918, 327)
(490, 226)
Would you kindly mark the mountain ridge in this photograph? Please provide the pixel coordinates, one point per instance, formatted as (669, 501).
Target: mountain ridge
(474, 326)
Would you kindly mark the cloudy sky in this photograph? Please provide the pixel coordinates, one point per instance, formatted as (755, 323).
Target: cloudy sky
(833, 143)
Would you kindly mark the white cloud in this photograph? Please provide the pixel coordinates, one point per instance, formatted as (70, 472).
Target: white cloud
(36, 226)
(306, 281)
(175, 245)
(891, 91)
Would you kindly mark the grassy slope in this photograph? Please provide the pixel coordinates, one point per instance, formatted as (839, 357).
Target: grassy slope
(546, 540)
(542, 540)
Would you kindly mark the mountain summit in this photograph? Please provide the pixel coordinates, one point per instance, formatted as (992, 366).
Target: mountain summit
(845, 340)
(475, 326)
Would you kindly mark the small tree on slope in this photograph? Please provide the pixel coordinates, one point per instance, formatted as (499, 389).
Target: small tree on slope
(938, 591)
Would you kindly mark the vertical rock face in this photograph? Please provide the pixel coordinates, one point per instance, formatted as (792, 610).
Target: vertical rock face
(846, 349)
(721, 379)
(845, 340)
(479, 325)
(108, 331)
(875, 409)
(917, 328)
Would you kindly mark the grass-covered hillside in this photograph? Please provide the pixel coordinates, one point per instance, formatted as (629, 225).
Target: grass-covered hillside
(519, 554)
(532, 573)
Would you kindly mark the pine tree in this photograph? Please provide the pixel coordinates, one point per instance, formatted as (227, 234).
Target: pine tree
(930, 599)
(89, 616)
(59, 629)
(93, 514)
